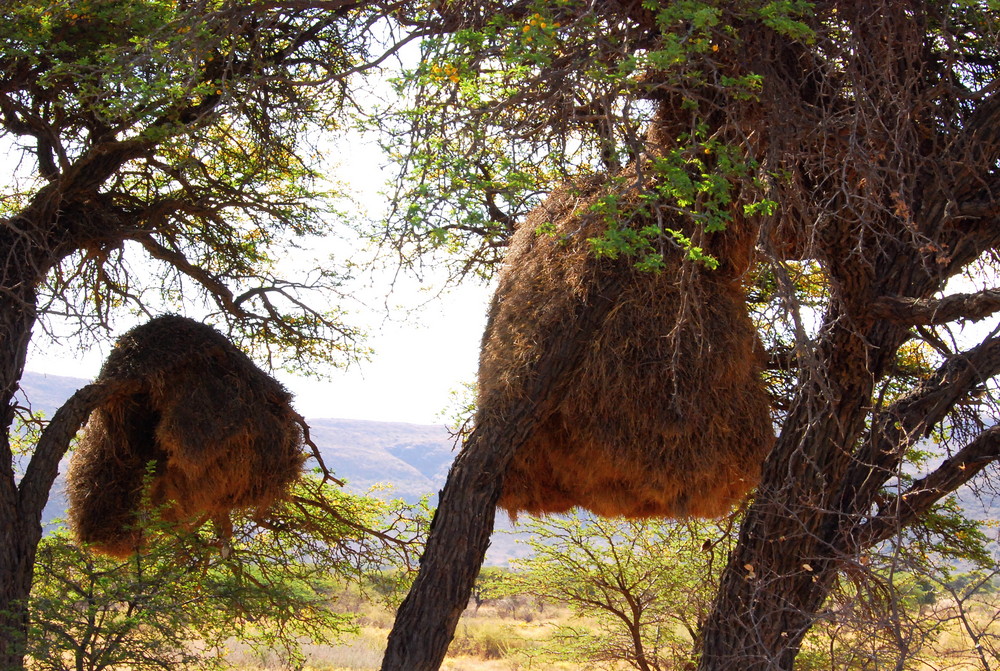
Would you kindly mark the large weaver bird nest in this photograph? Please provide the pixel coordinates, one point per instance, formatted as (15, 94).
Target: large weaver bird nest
(665, 414)
(211, 430)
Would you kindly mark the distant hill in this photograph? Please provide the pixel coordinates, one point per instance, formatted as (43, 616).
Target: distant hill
(413, 458)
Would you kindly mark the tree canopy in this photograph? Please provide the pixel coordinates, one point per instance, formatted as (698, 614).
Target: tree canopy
(859, 142)
(644, 585)
(858, 139)
(269, 586)
(183, 134)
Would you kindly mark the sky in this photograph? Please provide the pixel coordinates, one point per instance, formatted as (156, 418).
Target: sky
(423, 349)
(417, 363)
(419, 359)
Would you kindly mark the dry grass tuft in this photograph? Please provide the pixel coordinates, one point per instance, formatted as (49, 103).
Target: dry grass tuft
(665, 415)
(220, 433)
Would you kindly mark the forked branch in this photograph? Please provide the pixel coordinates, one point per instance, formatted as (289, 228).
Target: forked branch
(900, 425)
(933, 311)
(924, 493)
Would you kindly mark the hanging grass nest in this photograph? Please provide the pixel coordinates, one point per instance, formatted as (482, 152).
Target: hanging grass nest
(205, 429)
(665, 413)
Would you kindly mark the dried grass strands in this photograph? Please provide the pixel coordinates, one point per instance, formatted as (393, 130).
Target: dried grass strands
(666, 414)
(219, 432)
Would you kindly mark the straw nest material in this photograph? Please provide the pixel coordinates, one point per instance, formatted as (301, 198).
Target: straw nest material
(213, 431)
(665, 413)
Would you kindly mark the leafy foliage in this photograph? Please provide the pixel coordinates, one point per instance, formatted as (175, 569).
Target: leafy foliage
(518, 99)
(177, 604)
(645, 584)
(185, 132)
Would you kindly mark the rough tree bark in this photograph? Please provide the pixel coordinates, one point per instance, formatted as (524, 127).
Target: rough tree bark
(818, 503)
(32, 493)
(56, 222)
(463, 522)
(22, 519)
(812, 512)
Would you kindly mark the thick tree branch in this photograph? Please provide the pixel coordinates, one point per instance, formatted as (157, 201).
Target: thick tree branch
(923, 494)
(213, 285)
(982, 132)
(980, 208)
(931, 311)
(33, 491)
(900, 425)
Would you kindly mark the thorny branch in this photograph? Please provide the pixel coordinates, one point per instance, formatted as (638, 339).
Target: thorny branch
(929, 312)
(920, 497)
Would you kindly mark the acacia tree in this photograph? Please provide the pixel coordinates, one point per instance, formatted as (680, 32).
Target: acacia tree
(861, 139)
(163, 158)
(644, 584)
(270, 589)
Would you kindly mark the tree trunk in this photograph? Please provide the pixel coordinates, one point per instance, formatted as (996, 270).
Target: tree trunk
(459, 536)
(20, 521)
(51, 227)
(17, 559)
(28, 255)
(786, 559)
(788, 553)
(769, 594)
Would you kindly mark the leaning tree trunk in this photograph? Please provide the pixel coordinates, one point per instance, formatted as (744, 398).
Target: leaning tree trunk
(21, 527)
(459, 537)
(28, 254)
(426, 620)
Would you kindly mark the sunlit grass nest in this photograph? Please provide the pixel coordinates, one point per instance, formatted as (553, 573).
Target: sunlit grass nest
(665, 414)
(213, 432)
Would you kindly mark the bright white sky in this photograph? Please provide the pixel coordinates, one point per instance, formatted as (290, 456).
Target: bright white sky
(420, 356)
(417, 363)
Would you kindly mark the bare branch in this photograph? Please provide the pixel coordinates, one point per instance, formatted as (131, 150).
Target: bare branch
(923, 494)
(980, 208)
(932, 311)
(900, 425)
(55, 439)
(982, 133)
(314, 448)
(213, 285)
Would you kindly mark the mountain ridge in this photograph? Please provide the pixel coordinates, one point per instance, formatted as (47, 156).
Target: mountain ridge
(412, 459)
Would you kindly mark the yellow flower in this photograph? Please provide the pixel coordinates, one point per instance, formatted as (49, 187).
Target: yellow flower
(715, 47)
